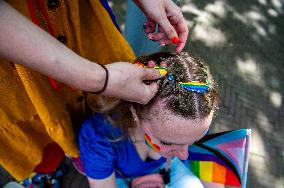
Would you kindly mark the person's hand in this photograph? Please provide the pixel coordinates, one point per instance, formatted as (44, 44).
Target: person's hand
(148, 181)
(171, 23)
(125, 82)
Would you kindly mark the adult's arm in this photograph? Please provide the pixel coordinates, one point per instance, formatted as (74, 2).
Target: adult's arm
(24, 43)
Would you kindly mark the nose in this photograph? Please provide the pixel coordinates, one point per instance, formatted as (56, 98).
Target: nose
(182, 153)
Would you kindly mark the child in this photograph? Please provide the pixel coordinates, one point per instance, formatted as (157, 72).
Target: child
(134, 140)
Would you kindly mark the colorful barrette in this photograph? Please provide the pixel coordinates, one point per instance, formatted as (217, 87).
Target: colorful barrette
(163, 71)
(195, 86)
(171, 78)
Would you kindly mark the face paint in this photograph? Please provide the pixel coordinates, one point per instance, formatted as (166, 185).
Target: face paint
(166, 151)
(173, 135)
(149, 143)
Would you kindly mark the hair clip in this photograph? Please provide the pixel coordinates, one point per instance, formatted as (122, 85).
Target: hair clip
(171, 78)
(195, 86)
(163, 71)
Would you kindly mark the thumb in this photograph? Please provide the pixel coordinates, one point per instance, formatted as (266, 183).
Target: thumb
(151, 91)
(167, 27)
(153, 74)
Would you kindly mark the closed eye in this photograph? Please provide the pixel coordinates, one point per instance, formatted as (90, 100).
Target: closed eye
(165, 143)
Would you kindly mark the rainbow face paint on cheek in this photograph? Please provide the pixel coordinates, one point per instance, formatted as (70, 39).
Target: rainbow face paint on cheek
(149, 143)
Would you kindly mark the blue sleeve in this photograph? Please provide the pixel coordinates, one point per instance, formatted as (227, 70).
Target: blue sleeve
(96, 152)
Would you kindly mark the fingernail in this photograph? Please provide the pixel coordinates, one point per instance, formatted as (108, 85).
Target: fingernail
(151, 63)
(162, 44)
(163, 64)
(163, 72)
(175, 40)
(151, 37)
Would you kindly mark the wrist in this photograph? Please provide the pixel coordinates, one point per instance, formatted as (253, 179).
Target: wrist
(105, 82)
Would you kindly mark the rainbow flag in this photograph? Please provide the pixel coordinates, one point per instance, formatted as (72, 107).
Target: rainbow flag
(222, 157)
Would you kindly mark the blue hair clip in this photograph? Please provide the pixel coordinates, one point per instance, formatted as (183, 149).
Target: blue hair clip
(171, 78)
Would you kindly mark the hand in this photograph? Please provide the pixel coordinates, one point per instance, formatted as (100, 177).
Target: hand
(125, 82)
(169, 19)
(148, 181)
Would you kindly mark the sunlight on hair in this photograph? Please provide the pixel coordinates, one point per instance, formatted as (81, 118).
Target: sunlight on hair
(276, 99)
(204, 29)
(250, 72)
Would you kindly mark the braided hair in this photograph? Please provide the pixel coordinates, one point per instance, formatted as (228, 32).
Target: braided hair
(177, 100)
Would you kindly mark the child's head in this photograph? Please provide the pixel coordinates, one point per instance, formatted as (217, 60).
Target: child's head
(177, 117)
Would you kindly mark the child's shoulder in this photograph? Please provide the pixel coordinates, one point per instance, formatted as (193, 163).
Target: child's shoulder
(98, 126)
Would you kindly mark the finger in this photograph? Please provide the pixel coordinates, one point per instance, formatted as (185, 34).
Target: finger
(151, 63)
(149, 26)
(163, 64)
(150, 92)
(165, 42)
(156, 36)
(183, 34)
(153, 74)
(168, 29)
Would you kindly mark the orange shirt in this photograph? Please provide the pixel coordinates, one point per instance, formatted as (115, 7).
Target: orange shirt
(32, 113)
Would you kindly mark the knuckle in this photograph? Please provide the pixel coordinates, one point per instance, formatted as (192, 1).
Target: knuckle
(178, 12)
(144, 101)
(145, 72)
(170, 31)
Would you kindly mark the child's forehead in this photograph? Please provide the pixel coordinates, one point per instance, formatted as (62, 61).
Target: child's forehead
(160, 111)
(167, 124)
(176, 130)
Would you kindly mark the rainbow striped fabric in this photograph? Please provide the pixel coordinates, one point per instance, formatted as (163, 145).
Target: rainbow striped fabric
(222, 157)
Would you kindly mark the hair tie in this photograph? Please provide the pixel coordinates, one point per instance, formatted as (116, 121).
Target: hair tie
(106, 81)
